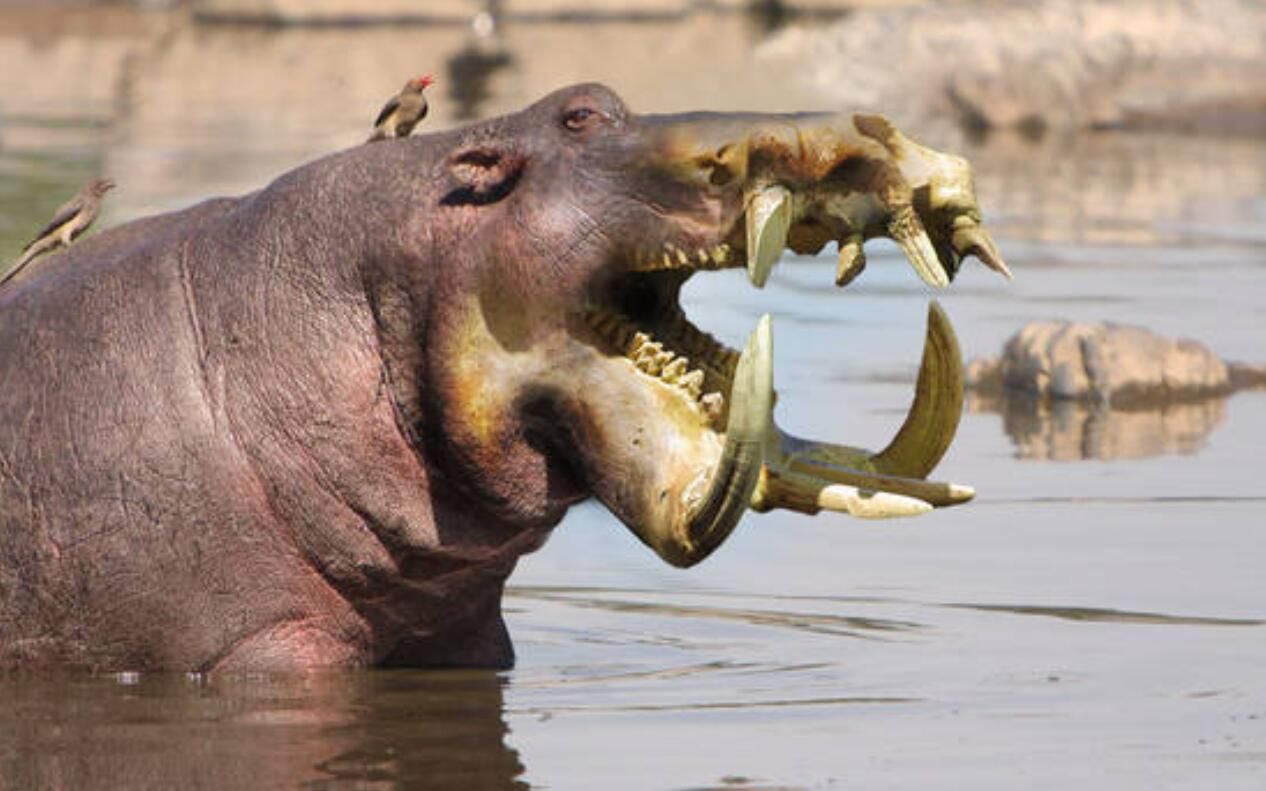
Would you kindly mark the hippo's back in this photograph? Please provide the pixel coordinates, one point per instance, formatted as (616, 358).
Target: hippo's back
(109, 451)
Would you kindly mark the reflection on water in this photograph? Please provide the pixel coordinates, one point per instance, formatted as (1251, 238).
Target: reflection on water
(1059, 430)
(361, 730)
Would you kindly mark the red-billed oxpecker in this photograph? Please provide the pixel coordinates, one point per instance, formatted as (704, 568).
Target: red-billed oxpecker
(403, 111)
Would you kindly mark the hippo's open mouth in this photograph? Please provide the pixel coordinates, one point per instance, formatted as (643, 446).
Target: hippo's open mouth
(728, 395)
(677, 430)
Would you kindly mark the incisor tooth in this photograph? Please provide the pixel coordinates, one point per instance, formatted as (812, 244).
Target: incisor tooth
(682, 257)
(768, 221)
(852, 261)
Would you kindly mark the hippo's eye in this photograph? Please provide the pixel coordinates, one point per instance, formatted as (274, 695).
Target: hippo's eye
(579, 118)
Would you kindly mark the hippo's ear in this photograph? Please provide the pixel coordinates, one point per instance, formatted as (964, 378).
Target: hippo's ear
(482, 173)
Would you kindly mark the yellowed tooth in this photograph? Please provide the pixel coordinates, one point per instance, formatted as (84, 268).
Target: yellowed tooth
(674, 370)
(851, 262)
(713, 406)
(655, 362)
(647, 358)
(721, 253)
(906, 229)
(682, 257)
(668, 261)
(782, 488)
(869, 505)
(768, 221)
(970, 239)
(692, 383)
(702, 255)
(814, 460)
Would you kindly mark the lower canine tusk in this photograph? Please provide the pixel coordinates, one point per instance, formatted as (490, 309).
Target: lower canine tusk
(930, 425)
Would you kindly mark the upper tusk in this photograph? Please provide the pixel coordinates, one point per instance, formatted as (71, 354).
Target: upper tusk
(768, 222)
(974, 240)
(907, 230)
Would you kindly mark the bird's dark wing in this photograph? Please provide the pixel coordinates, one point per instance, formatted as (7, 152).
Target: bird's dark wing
(68, 210)
(387, 110)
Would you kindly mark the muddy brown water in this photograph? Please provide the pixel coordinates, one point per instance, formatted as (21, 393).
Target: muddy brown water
(1095, 619)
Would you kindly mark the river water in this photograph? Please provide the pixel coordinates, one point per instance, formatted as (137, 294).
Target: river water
(1095, 619)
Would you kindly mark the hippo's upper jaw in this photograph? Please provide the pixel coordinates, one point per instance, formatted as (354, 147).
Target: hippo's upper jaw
(600, 368)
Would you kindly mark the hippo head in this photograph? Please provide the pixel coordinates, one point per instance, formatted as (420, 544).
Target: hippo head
(556, 362)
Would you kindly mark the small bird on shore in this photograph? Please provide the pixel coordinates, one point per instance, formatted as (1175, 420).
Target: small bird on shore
(70, 221)
(403, 111)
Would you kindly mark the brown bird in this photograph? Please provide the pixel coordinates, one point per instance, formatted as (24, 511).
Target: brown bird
(403, 111)
(71, 220)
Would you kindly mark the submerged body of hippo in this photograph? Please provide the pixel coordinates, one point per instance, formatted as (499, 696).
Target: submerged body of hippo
(318, 424)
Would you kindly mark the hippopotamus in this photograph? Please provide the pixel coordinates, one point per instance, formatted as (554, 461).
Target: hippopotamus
(316, 425)
(1108, 364)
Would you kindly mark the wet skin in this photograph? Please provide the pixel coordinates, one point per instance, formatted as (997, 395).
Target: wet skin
(317, 425)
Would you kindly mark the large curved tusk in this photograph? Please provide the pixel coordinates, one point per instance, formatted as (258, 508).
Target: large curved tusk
(812, 461)
(906, 229)
(729, 492)
(768, 222)
(921, 441)
(971, 239)
(930, 426)
(808, 476)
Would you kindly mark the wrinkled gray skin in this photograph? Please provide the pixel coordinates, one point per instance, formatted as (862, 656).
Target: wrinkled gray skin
(317, 425)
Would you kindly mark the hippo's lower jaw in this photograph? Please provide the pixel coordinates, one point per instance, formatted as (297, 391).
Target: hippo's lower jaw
(721, 404)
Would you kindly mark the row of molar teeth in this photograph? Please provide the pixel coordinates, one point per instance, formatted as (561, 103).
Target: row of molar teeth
(674, 257)
(703, 346)
(652, 358)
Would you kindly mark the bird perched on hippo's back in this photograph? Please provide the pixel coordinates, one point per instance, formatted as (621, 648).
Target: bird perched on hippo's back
(403, 111)
(71, 220)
